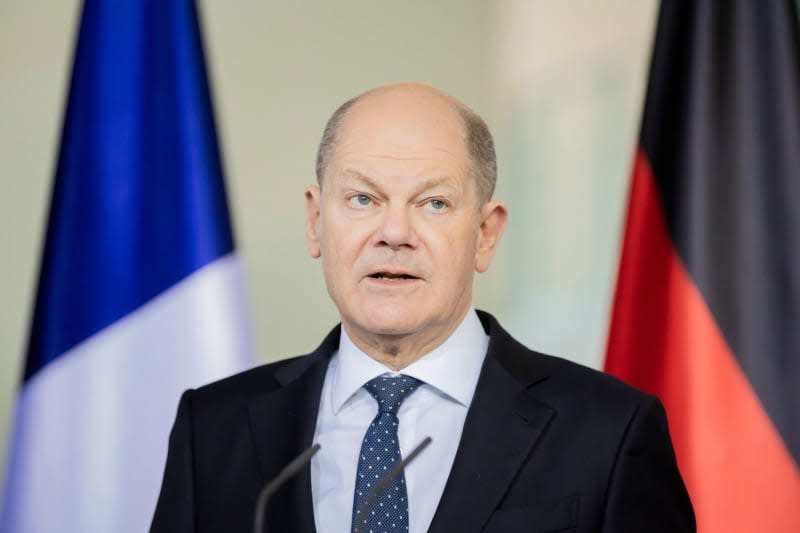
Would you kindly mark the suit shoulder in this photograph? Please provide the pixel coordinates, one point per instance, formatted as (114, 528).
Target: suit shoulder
(243, 387)
(588, 382)
(558, 375)
(259, 379)
(583, 395)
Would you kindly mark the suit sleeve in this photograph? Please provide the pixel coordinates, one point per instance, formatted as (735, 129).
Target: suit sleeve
(175, 510)
(646, 492)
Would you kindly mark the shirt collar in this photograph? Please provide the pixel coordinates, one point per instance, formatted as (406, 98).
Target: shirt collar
(452, 368)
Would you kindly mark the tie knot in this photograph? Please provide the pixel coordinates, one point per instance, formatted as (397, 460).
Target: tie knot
(390, 392)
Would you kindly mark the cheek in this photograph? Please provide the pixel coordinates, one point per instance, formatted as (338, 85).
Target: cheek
(455, 251)
(340, 246)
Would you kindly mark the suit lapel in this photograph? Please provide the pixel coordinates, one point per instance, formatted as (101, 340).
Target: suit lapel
(502, 426)
(283, 423)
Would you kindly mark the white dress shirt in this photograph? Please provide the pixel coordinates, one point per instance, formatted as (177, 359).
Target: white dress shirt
(436, 409)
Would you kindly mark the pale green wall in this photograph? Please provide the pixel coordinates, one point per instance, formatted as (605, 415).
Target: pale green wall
(35, 48)
(560, 83)
(568, 79)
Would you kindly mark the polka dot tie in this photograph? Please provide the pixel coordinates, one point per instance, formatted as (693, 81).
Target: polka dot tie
(380, 451)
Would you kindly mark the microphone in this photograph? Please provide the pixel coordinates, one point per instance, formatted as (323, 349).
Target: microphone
(270, 488)
(384, 482)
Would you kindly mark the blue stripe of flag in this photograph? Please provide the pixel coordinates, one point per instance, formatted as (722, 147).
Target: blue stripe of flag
(139, 201)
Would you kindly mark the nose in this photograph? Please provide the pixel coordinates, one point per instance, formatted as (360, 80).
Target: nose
(396, 229)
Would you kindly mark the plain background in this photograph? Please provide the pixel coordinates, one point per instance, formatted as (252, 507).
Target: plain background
(560, 84)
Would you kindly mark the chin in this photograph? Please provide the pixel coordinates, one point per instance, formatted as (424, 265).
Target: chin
(388, 328)
(387, 320)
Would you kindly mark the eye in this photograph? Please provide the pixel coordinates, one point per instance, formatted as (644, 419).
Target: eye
(436, 204)
(360, 200)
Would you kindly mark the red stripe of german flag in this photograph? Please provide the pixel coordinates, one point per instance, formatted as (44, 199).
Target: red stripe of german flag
(707, 308)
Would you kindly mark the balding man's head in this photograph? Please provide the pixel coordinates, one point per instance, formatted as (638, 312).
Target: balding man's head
(403, 219)
(476, 135)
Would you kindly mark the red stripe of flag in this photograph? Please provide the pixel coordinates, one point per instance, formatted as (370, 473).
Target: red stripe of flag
(664, 340)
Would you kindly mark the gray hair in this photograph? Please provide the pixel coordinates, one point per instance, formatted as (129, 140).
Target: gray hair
(480, 145)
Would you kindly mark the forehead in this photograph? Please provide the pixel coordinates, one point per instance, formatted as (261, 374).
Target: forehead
(402, 131)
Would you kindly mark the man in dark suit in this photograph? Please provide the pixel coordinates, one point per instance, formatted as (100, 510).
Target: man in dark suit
(402, 218)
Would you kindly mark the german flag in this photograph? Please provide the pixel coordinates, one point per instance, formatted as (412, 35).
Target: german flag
(707, 307)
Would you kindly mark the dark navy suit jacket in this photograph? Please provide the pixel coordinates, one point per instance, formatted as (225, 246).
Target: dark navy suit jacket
(547, 446)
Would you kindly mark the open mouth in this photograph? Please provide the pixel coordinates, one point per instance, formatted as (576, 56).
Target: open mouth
(390, 276)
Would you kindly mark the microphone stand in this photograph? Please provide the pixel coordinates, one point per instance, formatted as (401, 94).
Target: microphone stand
(269, 489)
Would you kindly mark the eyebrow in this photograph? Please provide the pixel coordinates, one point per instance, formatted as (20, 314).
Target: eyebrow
(428, 183)
(361, 177)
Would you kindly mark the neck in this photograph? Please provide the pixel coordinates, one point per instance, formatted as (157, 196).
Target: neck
(397, 351)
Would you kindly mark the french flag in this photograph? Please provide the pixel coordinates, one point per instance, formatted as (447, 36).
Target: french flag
(140, 293)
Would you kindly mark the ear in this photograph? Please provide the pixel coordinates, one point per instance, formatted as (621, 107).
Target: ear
(312, 221)
(493, 222)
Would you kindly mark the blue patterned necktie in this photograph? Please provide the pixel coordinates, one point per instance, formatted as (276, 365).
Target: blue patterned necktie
(380, 451)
